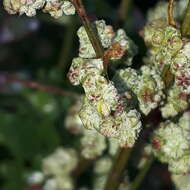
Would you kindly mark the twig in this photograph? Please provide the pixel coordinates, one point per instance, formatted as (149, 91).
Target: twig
(185, 29)
(138, 180)
(171, 20)
(120, 162)
(36, 85)
(91, 32)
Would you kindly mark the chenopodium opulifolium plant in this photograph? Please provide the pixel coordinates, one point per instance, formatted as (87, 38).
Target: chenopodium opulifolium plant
(56, 8)
(103, 107)
(174, 151)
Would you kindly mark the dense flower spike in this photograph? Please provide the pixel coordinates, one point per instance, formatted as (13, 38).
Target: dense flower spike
(92, 143)
(147, 86)
(117, 44)
(164, 42)
(55, 8)
(174, 151)
(104, 107)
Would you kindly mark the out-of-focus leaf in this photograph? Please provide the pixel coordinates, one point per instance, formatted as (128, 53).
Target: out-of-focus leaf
(25, 137)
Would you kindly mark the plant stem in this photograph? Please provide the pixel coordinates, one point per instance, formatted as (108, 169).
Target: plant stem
(167, 76)
(171, 20)
(124, 9)
(120, 162)
(91, 32)
(82, 166)
(185, 29)
(138, 180)
(36, 85)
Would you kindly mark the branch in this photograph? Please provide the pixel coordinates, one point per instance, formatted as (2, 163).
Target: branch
(119, 164)
(185, 29)
(36, 85)
(171, 20)
(138, 180)
(91, 32)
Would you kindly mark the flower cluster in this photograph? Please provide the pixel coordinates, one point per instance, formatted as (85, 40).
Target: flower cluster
(92, 144)
(177, 101)
(163, 41)
(117, 43)
(56, 8)
(103, 107)
(171, 144)
(146, 85)
(169, 53)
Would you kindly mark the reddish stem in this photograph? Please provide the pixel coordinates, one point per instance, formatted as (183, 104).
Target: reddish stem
(36, 85)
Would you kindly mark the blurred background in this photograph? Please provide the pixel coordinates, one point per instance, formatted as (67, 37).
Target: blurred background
(38, 52)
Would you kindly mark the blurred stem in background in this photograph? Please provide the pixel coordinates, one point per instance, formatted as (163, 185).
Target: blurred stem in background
(36, 85)
(114, 178)
(185, 29)
(139, 178)
(124, 9)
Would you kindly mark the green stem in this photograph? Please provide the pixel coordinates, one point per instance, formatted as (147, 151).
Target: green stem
(91, 31)
(185, 29)
(119, 164)
(124, 9)
(138, 180)
(167, 76)
(171, 20)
